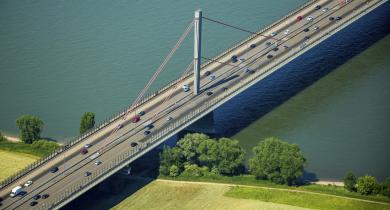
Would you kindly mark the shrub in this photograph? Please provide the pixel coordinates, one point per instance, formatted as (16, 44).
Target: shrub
(350, 182)
(367, 185)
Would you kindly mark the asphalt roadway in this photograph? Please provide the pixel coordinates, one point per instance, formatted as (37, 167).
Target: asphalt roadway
(228, 74)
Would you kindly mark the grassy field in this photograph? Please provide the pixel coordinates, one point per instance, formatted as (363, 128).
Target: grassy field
(13, 161)
(251, 181)
(164, 195)
(305, 200)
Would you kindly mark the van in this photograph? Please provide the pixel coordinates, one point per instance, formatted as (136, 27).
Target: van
(16, 191)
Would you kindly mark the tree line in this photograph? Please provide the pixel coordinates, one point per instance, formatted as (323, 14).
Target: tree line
(366, 185)
(199, 155)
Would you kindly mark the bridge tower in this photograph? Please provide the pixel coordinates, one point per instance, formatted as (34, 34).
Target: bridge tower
(197, 49)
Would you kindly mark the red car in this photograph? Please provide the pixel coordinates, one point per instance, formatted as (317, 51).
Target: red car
(299, 18)
(135, 119)
(83, 151)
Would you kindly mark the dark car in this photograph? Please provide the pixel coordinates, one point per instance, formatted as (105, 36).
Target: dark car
(338, 18)
(147, 133)
(207, 73)
(307, 37)
(54, 169)
(133, 144)
(135, 119)
(225, 88)
(33, 203)
(234, 58)
(36, 197)
(317, 7)
(252, 46)
(251, 71)
(141, 113)
(83, 151)
(87, 173)
(275, 49)
(306, 29)
(44, 196)
(268, 44)
(209, 93)
(331, 18)
(270, 56)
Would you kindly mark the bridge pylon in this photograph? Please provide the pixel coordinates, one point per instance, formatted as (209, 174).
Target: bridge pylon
(197, 49)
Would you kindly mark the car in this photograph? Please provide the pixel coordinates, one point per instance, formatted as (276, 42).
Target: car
(234, 58)
(133, 144)
(307, 37)
(225, 88)
(275, 49)
(169, 119)
(338, 18)
(316, 28)
(242, 60)
(87, 146)
(149, 126)
(325, 9)
(94, 156)
(186, 88)
(98, 162)
(310, 18)
(285, 46)
(141, 113)
(136, 119)
(212, 77)
(331, 18)
(251, 71)
(87, 174)
(28, 183)
(54, 169)
(299, 18)
(306, 29)
(209, 93)
(207, 73)
(120, 126)
(36, 197)
(252, 46)
(270, 56)
(147, 133)
(274, 34)
(83, 151)
(33, 203)
(317, 7)
(287, 31)
(247, 70)
(44, 196)
(268, 44)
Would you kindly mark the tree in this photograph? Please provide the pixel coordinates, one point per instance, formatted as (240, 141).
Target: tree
(87, 122)
(385, 188)
(367, 185)
(30, 128)
(170, 157)
(350, 182)
(174, 171)
(189, 146)
(230, 156)
(277, 161)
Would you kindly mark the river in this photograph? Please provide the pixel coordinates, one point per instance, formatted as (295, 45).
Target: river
(59, 59)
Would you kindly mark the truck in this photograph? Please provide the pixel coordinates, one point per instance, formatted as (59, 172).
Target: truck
(15, 191)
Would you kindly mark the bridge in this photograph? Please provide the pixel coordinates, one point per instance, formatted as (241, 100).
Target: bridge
(123, 138)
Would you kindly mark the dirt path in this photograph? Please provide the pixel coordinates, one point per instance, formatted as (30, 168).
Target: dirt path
(271, 188)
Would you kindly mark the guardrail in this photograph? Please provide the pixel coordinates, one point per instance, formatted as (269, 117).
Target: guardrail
(120, 114)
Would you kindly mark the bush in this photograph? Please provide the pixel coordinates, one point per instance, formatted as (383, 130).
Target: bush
(278, 161)
(174, 171)
(367, 185)
(45, 146)
(87, 122)
(193, 170)
(350, 182)
(385, 188)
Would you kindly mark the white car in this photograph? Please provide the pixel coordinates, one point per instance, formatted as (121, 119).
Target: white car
(242, 59)
(169, 118)
(286, 31)
(28, 183)
(186, 88)
(325, 9)
(310, 18)
(274, 34)
(316, 28)
(87, 146)
(212, 77)
(98, 162)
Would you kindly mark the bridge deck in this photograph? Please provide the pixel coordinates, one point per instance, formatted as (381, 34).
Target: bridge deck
(69, 182)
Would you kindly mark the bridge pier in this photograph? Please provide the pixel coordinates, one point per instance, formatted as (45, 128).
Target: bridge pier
(197, 49)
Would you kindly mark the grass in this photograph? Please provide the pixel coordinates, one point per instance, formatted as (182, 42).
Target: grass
(251, 181)
(163, 195)
(39, 148)
(305, 200)
(13, 161)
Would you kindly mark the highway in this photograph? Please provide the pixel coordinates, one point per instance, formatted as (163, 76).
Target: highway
(263, 59)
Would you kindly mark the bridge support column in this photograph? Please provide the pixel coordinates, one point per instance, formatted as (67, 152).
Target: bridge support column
(197, 49)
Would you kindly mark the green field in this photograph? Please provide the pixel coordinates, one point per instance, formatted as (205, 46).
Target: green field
(306, 200)
(13, 161)
(177, 195)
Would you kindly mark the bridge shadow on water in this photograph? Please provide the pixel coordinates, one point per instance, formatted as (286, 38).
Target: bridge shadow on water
(254, 103)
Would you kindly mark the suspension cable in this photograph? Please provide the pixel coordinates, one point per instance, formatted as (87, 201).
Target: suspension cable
(238, 28)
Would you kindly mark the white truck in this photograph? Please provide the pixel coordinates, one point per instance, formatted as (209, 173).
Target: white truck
(15, 191)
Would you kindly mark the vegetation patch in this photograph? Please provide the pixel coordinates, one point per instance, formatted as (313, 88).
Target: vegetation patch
(300, 199)
(39, 148)
(11, 162)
